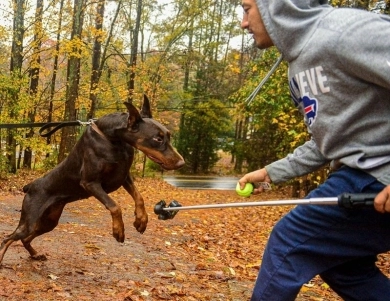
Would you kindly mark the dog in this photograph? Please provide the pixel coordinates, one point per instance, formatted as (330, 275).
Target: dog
(98, 164)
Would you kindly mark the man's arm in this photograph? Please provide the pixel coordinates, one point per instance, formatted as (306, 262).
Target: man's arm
(305, 159)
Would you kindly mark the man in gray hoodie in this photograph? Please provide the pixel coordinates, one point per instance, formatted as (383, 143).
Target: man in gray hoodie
(339, 77)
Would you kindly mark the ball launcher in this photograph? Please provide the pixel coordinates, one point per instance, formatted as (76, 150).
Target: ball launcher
(345, 200)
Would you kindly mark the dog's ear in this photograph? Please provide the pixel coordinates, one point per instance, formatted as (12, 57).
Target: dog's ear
(145, 110)
(134, 115)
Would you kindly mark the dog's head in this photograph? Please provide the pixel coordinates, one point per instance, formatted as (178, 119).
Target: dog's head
(151, 137)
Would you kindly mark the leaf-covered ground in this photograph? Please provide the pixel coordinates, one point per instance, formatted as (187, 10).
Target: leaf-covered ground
(199, 255)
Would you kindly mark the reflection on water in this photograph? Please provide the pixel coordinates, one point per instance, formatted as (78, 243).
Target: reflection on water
(198, 182)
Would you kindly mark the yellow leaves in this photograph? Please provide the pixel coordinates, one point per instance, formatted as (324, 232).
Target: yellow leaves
(325, 285)
(234, 69)
(75, 48)
(253, 265)
(96, 33)
(91, 246)
(232, 271)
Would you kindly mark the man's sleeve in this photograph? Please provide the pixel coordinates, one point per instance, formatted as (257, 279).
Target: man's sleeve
(305, 159)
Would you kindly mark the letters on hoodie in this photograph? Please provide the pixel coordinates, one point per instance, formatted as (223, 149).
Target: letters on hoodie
(304, 86)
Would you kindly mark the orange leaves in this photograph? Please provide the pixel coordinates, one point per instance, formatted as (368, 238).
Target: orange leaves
(199, 255)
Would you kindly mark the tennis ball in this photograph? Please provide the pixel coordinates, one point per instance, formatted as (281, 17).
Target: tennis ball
(246, 192)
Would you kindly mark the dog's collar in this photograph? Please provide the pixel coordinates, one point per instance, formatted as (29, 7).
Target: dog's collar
(97, 130)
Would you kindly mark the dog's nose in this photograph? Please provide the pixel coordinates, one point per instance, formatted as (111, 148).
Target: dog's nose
(180, 163)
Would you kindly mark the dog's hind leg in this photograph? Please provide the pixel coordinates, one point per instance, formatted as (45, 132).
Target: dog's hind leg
(33, 253)
(46, 222)
(141, 217)
(34, 221)
(18, 234)
(4, 246)
(118, 227)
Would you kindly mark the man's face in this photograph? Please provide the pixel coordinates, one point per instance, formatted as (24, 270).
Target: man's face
(253, 22)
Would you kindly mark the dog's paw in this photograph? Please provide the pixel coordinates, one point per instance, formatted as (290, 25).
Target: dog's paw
(140, 227)
(119, 236)
(39, 257)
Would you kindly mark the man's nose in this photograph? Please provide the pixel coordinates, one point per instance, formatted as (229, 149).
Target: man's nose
(244, 22)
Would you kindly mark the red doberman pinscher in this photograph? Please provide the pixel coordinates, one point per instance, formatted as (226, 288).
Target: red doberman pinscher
(98, 164)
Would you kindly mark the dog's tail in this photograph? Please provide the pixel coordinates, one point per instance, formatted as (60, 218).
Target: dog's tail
(26, 187)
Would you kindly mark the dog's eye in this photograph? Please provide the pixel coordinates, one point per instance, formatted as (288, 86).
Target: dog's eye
(158, 139)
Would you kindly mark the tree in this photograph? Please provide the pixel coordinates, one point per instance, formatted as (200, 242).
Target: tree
(134, 51)
(205, 84)
(35, 65)
(270, 119)
(205, 122)
(16, 74)
(53, 79)
(68, 135)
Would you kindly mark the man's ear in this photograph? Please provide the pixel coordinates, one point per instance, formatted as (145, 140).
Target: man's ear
(134, 116)
(145, 110)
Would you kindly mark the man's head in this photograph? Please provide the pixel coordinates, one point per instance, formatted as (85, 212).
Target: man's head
(253, 22)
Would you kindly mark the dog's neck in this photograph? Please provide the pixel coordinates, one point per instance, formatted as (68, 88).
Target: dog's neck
(97, 130)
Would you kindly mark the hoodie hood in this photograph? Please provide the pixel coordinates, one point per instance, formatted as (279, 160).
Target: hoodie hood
(291, 23)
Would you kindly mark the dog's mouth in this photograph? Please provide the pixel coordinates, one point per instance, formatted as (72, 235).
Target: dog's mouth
(155, 160)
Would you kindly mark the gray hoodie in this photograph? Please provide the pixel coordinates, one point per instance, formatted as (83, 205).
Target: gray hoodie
(339, 76)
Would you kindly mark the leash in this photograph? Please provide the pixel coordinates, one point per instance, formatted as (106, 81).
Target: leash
(59, 125)
(45, 126)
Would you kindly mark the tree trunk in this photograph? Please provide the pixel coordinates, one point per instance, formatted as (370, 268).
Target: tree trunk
(134, 52)
(69, 134)
(98, 57)
(55, 70)
(34, 77)
(15, 69)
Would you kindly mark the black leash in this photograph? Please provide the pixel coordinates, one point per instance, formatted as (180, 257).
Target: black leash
(45, 126)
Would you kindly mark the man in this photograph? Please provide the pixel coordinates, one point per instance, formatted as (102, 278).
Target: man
(339, 77)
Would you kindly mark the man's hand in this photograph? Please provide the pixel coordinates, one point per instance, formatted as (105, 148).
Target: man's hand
(382, 200)
(260, 175)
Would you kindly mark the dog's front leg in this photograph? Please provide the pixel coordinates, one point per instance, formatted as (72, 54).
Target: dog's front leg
(141, 217)
(118, 228)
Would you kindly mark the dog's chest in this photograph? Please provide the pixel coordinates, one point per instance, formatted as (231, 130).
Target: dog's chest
(115, 165)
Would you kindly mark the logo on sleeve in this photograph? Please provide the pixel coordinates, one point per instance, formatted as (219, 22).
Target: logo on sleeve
(310, 106)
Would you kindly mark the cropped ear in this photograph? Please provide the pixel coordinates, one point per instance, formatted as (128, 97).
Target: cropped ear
(145, 110)
(134, 116)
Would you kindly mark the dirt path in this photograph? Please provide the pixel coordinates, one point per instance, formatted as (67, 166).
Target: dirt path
(199, 255)
(86, 263)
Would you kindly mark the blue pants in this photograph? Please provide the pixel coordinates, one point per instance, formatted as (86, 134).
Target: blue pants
(340, 245)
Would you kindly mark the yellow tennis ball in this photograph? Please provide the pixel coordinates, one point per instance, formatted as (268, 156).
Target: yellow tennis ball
(246, 192)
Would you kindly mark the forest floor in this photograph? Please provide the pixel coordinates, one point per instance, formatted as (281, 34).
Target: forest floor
(199, 255)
